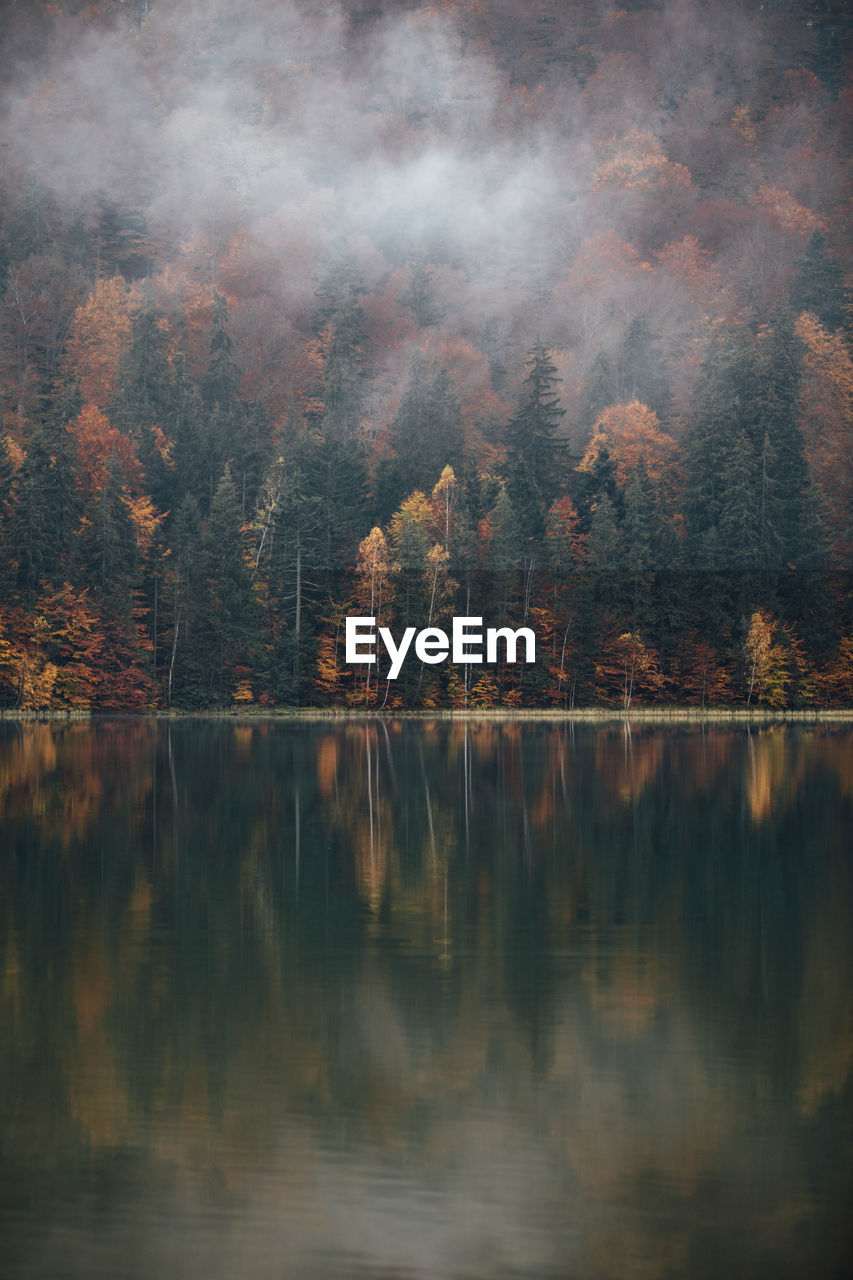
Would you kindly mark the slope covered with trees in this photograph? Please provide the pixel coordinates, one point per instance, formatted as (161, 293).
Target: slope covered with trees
(535, 311)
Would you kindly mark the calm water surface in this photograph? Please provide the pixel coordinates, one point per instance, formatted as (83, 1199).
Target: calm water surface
(424, 1000)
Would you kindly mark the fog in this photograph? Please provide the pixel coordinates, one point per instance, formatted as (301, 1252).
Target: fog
(497, 140)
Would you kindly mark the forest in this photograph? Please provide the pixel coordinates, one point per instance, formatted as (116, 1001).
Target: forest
(539, 310)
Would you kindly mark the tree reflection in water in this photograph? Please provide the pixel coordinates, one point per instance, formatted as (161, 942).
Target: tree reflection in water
(438, 998)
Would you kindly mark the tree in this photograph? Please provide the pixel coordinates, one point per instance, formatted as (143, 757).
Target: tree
(230, 604)
(288, 539)
(818, 286)
(826, 420)
(741, 524)
(419, 294)
(627, 667)
(101, 330)
(7, 509)
(409, 531)
(444, 501)
(109, 543)
(765, 674)
(425, 434)
(535, 454)
(185, 683)
(629, 432)
(374, 593)
(46, 509)
(339, 349)
(144, 402)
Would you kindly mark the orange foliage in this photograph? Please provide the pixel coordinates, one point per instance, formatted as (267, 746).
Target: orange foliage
(479, 405)
(638, 161)
(50, 656)
(100, 332)
(785, 210)
(632, 431)
(97, 441)
(702, 675)
(628, 667)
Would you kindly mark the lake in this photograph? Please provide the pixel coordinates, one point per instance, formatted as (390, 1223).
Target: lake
(421, 999)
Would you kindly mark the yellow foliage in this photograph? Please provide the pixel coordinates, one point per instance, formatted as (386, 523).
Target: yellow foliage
(638, 161)
(100, 331)
(743, 126)
(784, 209)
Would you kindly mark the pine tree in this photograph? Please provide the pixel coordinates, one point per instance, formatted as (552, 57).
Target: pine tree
(819, 285)
(599, 391)
(784, 474)
(723, 408)
(739, 543)
(535, 454)
(109, 544)
(426, 435)
(46, 509)
(341, 341)
(640, 375)
(191, 472)
(638, 538)
(230, 605)
(185, 682)
(419, 296)
(144, 405)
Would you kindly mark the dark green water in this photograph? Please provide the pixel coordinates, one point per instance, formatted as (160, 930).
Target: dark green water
(424, 1000)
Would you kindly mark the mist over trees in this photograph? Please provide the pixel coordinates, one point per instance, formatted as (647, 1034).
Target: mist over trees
(539, 311)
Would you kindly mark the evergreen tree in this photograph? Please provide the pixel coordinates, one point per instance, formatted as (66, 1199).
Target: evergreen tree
(340, 335)
(597, 483)
(739, 531)
(190, 455)
(638, 551)
(426, 435)
(598, 392)
(46, 509)
(144, 405)
(722, 409)
(185, 669)
(640, 376)
(532, 436)
(230, 605)
(109, 544)
(819, 285)
(419, 296)
(784, 471)
(505, 551)
(604, 543)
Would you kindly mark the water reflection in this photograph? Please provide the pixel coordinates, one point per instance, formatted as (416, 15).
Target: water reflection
(427, 1000)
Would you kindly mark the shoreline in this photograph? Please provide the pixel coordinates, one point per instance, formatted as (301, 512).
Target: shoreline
(595, 715)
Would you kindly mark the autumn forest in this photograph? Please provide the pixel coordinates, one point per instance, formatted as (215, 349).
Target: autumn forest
(539, 310)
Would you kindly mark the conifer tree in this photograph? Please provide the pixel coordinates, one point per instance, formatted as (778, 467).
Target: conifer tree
(109, 544)
(230, 605)
(535, 454)
(143, 406)
(46, 509)
(739, 530)
(426, 435)
(819, 285)
(185, 667)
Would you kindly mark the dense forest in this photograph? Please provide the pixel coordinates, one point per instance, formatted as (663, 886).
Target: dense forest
(538, 310)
